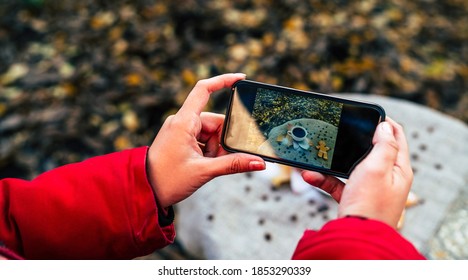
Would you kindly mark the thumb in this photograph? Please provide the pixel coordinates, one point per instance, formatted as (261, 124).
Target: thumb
(234, 163)
(385, 150)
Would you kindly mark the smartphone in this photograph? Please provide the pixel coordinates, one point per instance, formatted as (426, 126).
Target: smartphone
(303, 129)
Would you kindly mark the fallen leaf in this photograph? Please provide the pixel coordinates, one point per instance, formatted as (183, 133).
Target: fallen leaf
(102, 20)
(3, 109)
(15, 72)
(189, 77)
(122, 142)
(133, 79)
(130, 121)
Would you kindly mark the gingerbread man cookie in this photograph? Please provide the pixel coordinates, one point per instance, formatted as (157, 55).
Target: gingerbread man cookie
(322, 150)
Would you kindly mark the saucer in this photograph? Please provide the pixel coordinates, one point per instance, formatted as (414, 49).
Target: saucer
(304, 144)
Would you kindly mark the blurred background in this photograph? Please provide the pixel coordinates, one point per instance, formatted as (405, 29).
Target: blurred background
(84, 78)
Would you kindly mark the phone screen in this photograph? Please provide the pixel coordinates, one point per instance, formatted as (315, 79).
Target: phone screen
(303, 129)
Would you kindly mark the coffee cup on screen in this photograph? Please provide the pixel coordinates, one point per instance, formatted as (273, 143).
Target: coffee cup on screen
(298, 133)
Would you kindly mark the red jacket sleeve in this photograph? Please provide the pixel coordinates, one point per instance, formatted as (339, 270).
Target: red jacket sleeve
(101, 208)
(355, 238)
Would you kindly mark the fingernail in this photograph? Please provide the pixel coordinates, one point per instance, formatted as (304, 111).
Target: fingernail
(256, 165)
(386, 128)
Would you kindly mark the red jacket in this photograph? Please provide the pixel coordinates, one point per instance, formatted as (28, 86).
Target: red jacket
(101, 208)
(355, 238)
(104, 208)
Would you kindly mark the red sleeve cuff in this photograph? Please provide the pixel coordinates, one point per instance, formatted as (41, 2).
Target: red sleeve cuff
(153, 217)
(355, 238)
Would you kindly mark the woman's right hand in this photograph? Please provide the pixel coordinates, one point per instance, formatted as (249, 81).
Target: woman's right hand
(379, 186)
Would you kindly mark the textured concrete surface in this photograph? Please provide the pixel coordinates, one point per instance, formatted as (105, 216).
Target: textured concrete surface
(451, 240)
(243, 217)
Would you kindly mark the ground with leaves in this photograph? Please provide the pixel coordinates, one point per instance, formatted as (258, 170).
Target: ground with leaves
(272, 109)
(83, 78)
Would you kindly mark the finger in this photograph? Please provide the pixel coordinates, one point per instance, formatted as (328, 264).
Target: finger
(200, 94)
(233, 163)
(327, 183)
(211, 147)
(403, 159)
(383, 155)
(211, 124)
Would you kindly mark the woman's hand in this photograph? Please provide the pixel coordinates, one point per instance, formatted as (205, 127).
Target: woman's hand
(379, 185)
(186, 153)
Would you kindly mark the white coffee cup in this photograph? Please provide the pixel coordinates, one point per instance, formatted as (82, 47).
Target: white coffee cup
(298, 133)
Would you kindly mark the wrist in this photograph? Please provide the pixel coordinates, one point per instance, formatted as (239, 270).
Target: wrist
(158, 194)
(370, 214)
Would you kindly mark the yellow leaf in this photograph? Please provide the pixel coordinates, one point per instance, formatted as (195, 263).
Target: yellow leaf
(65, 90)
(130, 121)
(3, 109)
(133, 79)
(122, 143)
(238, 52)
(15, 72)
(268, 39)
(337, 83)
(189, 77)
(116, 33)
(300, 86)
(120, 47)
(102, 20)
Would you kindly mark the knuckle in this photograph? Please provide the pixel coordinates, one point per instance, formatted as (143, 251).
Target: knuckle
(334, 188)
(375, 170)
(168, 122)
(235, 166)
(389, 150)
(175, 122)
(202, 83)
(169, 118)
(393, 145)
(398, 126)
(408, 174)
